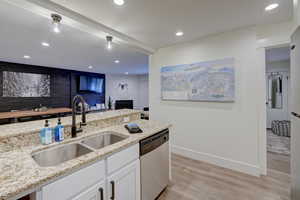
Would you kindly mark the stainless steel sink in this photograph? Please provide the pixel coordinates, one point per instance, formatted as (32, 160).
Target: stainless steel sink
(57, 155)
(103, 139)
(62, 153)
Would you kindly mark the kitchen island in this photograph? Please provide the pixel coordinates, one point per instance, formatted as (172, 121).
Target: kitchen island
(21, 175)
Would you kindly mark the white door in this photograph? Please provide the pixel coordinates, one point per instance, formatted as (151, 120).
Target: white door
(295, 161)
(295, 130)
(125, 183)
(278, 89)
(295, 72)
(96, 192)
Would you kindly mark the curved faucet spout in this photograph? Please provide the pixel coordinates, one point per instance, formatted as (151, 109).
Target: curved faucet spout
(83, 115)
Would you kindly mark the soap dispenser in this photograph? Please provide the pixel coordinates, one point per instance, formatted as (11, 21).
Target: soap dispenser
(46, 134)
(59, 131)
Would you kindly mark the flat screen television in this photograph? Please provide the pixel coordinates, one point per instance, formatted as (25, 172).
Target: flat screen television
(91, 84)
(122, 104)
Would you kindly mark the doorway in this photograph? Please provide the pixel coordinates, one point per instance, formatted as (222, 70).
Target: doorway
(278, 108)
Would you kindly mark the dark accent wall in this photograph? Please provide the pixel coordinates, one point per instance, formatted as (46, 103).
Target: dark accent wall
(63, 88)
(90, 98)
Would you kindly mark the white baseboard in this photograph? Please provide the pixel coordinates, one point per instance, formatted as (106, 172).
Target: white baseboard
(216, 160)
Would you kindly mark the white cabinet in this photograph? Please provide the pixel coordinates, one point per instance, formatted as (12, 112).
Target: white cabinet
(117, 176)
(96, 192)
(73, 184)
(122, 158)
(125, 183)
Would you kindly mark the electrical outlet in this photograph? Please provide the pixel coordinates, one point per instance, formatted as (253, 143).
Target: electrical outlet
(126, 119)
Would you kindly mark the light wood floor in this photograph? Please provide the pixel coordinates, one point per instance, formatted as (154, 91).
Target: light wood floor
(279, 162)
(195, 180)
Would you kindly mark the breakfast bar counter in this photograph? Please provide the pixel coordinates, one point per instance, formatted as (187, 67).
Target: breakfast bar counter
(21, 175)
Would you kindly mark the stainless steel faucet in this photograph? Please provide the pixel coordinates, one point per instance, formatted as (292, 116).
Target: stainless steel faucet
(83, 117)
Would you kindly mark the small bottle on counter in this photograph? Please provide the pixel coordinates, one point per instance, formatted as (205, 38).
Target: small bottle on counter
(46, 134)
(59, 131)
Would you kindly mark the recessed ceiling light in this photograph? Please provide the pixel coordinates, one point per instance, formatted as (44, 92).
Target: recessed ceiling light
(26, 57)
(117, 61)
(90, 67)
(271, 6)
(119, 2)
(45, 44)
(126, 73)
(179, 33)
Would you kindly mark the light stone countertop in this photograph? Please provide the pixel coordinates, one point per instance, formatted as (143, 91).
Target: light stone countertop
(14, 129)
(19, 174)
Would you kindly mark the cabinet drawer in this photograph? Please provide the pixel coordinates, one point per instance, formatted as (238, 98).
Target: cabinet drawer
(122, 158)
(75, 183)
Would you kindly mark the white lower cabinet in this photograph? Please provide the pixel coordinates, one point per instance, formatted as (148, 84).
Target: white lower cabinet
(114, 178)
(125, 183)
(74, 184)
(96, 192)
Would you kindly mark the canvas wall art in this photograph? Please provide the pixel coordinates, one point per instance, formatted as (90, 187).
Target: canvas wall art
(19, 84)
(203, 81)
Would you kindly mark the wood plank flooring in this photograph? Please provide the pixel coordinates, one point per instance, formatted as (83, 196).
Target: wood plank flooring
(279, 162)
(196, 180)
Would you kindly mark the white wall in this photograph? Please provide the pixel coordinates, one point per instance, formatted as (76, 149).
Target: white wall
(137, 89)
(274, 34)
(296, 13)
(225, 134)
(143, 97)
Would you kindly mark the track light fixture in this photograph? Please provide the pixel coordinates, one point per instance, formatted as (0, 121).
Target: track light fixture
(56, 19)
(109, 42)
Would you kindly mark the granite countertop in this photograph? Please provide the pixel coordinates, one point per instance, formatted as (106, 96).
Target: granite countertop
(20, 174)
(10, 130)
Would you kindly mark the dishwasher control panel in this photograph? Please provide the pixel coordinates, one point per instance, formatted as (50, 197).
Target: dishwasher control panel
(150, 143)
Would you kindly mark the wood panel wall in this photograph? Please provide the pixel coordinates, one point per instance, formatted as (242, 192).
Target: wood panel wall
(63, 88)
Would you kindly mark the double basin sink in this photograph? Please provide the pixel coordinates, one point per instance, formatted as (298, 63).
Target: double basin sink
(64, 152)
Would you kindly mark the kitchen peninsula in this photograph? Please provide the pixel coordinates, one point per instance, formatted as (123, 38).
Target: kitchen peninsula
(21, 175)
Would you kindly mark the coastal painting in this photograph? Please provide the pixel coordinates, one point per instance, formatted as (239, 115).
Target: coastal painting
(203, 81)
(19, 84)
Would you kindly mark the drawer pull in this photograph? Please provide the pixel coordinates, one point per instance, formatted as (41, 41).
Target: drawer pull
(101, 193)
(112, 190)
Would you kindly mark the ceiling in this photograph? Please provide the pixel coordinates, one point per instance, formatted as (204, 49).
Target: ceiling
(278, 54)
(149, 22)
(22, 33)
(154, 22)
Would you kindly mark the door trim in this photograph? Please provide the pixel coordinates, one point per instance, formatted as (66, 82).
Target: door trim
(261, 104)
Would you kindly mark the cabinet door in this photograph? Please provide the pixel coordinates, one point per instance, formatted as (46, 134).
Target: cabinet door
(96, 192)
(72, 185)
(125, 183)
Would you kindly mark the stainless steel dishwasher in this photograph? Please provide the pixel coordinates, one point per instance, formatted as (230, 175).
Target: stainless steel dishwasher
(154, 157)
